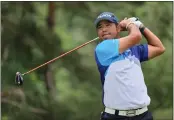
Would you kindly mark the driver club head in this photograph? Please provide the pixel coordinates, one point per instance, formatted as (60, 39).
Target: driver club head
(19, 79)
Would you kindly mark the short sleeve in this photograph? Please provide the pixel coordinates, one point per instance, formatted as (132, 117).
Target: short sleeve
(107, 51)
(141, 51)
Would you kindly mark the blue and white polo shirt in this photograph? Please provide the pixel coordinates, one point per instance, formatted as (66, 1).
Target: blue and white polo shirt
(121, 75)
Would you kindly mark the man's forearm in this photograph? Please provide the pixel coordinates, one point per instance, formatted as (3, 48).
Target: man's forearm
(155, 46)
(152, 39)
(132, 39)
(134, 33)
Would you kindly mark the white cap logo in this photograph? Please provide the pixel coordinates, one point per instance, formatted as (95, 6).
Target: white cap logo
(104, 15)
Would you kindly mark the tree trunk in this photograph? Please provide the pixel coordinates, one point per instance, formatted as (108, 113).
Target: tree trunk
(51, 15)
(49, 80)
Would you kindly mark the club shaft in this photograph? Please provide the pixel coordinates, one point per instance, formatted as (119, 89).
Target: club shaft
(78, 47)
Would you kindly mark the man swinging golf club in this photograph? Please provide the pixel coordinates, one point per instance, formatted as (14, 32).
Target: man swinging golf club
(125, 94)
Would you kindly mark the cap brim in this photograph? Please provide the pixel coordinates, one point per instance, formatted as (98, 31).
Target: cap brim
(104, 18)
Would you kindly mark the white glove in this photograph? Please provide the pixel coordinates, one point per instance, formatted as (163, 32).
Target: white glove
(136, 21)
(133, 19)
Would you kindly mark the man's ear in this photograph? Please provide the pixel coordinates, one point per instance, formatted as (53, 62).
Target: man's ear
(118, 29)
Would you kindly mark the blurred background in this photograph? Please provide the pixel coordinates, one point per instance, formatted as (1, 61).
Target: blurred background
(33, 33)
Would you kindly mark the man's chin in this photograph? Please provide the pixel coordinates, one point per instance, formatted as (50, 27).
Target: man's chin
(107, 38)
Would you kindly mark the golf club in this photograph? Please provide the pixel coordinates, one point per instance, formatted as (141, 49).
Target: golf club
(19, 77)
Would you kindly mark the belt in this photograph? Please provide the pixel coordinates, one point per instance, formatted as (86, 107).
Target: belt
(128, 113)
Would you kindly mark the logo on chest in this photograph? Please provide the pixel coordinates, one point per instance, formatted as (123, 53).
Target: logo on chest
(132, 58)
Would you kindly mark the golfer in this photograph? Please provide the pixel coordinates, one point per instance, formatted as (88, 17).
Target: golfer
(125, 95)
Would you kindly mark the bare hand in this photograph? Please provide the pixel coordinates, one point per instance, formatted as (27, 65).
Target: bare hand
(122, 25)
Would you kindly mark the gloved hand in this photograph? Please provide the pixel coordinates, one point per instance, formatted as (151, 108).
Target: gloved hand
(133, 19)
(137, 22)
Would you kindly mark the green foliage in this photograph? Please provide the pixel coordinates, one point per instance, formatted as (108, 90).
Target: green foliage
(75, 92)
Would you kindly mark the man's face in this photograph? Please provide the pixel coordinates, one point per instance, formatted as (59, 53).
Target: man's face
(106, 30)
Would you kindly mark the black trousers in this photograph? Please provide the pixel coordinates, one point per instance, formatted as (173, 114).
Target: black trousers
(145, 116)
